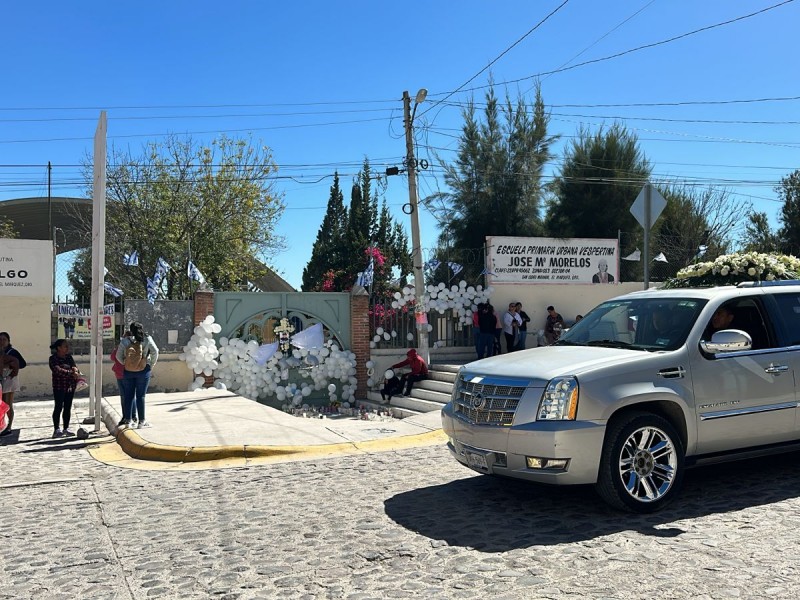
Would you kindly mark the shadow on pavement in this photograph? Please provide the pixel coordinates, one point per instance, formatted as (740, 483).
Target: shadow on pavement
(494, 514)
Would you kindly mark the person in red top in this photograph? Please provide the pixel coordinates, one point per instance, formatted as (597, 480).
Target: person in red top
(419, 370)
(119, 373)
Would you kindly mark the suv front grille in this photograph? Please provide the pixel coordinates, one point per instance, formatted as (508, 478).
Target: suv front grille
(486, 403)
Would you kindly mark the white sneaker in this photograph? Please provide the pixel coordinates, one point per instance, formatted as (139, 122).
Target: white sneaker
(58, 433)
(133, 424)
(68, 431)
(143, 424)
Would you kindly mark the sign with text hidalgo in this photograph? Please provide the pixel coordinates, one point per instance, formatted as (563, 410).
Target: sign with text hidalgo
(553, 260)
(26, 268)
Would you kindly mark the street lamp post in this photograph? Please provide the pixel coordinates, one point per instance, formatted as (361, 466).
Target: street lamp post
(420, 316)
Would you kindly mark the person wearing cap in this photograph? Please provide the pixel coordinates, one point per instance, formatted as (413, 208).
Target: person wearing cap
(553, 325)
(419, 370)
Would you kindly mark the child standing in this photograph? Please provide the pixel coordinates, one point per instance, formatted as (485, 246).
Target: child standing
(65, 378)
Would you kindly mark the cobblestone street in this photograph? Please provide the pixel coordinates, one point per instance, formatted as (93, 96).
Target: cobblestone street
(401, 524)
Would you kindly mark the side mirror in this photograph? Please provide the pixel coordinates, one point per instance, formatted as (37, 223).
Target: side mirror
(727, 340)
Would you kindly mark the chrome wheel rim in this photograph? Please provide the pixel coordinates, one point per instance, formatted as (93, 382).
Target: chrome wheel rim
(648, 463)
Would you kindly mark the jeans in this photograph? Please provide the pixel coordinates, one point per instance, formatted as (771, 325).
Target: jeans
(63, 408)
(485, 341)
(521, 342)
(121, 388)
(135, 384)
(476, 336)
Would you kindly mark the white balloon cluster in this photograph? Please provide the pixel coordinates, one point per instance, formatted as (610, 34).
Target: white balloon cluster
(382, 335)
(239, 371)
(200, 353)
(463, 299)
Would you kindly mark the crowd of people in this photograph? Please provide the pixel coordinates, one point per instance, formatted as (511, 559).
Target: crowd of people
(133, 359)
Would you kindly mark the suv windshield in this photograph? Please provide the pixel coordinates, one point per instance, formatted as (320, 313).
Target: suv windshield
(641, 324)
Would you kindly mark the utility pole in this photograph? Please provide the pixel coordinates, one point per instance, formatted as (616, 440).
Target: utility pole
(420, 316)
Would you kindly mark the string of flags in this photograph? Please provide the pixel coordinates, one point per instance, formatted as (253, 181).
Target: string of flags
(636, 256)
(434, 264)
(486, 271)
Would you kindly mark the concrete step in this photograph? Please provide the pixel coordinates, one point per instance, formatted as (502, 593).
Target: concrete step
(417, 404)
(402, 406)
(449, 367)
(443, 376)
(399, 412)
(445, 387)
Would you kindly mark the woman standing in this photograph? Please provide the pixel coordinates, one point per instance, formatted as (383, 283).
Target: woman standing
(65, 378)
(10, 384)
(138, 353)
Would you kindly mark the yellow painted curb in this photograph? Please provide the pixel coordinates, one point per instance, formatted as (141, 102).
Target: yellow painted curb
(138, 448)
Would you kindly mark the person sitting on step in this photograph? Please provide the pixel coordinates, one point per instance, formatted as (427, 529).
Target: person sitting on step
(419, 370)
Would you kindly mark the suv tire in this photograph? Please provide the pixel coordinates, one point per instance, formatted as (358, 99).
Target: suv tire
(641, 468)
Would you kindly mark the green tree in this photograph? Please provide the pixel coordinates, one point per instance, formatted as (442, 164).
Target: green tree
(759, 236)
(7, 228)
(495, 182)
(695, 217)
(177, 199)
(340, 253)
(789, 233)
(328, 253)
(601, 176)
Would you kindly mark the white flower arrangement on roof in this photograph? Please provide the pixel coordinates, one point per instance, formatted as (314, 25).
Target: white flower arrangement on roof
(730, 269)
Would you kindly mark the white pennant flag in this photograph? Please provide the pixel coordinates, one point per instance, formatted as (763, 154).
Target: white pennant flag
(264, 352)
(313, 337)
(635, 256)
(660, 257)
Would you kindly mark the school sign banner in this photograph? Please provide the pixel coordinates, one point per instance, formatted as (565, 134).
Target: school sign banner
(552, 260)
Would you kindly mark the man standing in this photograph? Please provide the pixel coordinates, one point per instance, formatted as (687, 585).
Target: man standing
(553, 325)
(511, 323)
(524, 319)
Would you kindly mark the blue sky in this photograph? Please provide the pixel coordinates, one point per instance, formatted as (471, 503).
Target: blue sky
(320, 83)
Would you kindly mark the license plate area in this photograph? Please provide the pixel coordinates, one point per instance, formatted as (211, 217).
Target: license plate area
(476, 460)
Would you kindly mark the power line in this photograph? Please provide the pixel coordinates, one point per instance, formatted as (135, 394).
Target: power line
(629, 51)
(503, 53)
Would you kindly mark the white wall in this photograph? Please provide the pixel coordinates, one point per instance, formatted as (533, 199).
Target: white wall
(169, 375)
(26, 293)
(569, 300)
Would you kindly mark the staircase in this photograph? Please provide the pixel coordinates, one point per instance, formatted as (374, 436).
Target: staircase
(426, 396)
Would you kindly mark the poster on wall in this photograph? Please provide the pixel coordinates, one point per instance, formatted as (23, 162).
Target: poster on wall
(75, 323)
(552, 260)
(26, 268)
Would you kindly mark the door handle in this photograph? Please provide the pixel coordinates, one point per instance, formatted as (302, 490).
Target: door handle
(774, 369)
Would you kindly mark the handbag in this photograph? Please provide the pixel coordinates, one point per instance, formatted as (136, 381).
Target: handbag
(4, 408)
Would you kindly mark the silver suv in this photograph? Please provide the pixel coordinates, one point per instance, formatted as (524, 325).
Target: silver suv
(644, 386)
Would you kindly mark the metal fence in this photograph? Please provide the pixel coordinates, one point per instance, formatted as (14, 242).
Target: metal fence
(396, 327)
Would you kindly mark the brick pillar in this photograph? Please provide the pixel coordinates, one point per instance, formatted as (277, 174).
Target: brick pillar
(359, 339)
(204, 306)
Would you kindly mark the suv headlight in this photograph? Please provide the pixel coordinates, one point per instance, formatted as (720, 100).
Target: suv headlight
(559, 401)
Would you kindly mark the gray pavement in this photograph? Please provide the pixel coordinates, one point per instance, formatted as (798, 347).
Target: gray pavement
(393, 524)
(212, 425)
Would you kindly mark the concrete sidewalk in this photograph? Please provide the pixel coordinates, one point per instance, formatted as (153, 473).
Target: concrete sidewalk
(213, 425)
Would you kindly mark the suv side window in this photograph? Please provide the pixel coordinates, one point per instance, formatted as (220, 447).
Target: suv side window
(749, 316)
(789, 309)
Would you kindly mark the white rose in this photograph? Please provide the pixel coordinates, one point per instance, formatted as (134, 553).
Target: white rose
(751, 271)
(725, 270)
